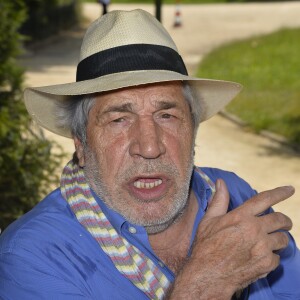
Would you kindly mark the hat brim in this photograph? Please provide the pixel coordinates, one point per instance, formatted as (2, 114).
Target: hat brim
(42, 101)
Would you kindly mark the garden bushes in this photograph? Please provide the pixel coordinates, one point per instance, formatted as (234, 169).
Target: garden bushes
(27, 166)
(46, 18)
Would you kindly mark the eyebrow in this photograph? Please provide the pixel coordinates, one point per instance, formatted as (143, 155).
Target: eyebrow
(166, 105)
(126, 107)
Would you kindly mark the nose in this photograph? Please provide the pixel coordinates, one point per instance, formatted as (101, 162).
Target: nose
(147, 140)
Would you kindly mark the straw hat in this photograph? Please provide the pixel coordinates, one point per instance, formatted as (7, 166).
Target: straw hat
(123, 49)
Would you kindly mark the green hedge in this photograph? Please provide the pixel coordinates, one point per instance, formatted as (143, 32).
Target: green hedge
(27, 167)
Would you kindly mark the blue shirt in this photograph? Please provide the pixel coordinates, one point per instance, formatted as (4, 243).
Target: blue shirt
(47, 253)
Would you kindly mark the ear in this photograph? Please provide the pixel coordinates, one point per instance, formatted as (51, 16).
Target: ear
(79, 151)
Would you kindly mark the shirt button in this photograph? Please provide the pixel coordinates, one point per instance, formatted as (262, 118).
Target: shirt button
(132, 229)
(161, 264)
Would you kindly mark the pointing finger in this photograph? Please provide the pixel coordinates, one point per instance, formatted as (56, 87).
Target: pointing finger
(264, 200)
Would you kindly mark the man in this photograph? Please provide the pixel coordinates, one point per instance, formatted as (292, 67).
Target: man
(133, 218)
(104, 4)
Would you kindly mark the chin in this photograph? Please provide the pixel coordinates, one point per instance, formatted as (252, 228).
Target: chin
(155, 220)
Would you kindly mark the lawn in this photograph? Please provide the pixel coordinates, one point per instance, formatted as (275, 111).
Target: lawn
(269, 68)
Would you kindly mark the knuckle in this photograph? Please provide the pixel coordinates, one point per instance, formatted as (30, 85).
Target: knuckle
(260, 249)
(237, 220)
(257, 230)
(254, 230)
(266, 195)
(270, 262)
(276, 261)
(283, 239)
(280, 217)
(283, 220)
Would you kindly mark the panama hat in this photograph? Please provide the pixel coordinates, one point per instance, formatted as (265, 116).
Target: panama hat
(124, 49)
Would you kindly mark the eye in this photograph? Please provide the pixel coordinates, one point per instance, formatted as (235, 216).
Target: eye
(166, 116)
(119, 120)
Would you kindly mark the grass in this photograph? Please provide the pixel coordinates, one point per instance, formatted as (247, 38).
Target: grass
(269, 68)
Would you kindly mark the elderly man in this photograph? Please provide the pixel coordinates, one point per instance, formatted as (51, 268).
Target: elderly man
(133, 217)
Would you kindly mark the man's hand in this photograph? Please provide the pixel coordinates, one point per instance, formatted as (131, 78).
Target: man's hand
(234, 249)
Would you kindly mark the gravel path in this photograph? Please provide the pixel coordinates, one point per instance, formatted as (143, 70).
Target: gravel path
(220, 142)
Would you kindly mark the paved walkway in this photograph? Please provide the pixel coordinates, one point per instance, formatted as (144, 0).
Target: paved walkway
(220, 143)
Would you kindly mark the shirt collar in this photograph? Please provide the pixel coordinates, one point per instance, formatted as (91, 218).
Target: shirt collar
(201, 189)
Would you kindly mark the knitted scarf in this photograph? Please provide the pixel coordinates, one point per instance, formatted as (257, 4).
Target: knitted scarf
(128, 259)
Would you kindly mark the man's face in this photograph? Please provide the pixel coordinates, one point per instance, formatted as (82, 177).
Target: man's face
(139, 154)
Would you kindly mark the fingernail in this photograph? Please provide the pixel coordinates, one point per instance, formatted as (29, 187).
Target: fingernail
(218, 183)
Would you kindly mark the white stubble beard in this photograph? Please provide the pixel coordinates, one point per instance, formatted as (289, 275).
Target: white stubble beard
(94, 177)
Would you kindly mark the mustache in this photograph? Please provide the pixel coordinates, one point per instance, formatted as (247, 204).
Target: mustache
(148, 168)
(143, 167)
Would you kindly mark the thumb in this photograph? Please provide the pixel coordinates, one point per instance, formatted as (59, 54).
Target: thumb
(220, 201)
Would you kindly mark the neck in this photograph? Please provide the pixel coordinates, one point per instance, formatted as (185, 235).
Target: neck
(172, 244)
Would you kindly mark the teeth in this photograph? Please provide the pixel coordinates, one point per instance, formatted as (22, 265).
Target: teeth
(147, 185)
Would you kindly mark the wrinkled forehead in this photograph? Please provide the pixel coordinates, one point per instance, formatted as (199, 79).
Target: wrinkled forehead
(160, 95)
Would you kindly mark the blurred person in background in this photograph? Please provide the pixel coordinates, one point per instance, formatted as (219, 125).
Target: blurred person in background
(104, 4)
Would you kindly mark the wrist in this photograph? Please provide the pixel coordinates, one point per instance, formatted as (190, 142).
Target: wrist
(192, 283)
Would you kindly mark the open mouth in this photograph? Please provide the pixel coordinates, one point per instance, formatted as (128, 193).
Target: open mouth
(149, 188)
(147, 183)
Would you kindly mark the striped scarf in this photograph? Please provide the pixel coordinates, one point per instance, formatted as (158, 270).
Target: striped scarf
(128, 259)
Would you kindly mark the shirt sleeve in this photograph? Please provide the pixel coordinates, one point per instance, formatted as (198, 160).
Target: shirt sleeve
(31, 278)
(285, 280)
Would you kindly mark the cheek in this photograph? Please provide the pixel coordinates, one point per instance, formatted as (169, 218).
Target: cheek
(180, 146)
(110, 149)
(182, 131)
